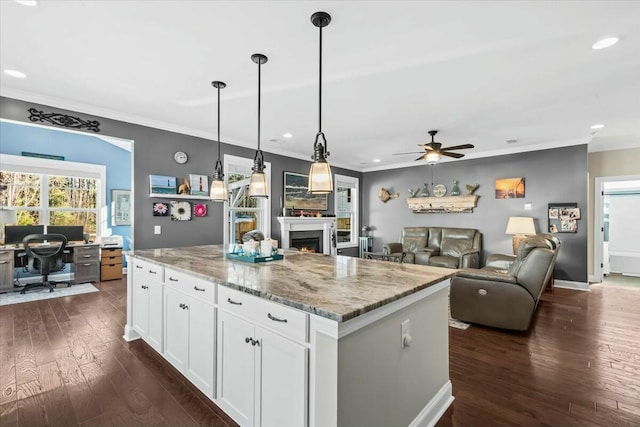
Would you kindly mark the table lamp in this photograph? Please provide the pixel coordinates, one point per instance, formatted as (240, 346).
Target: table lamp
(7, 216)
(520, 227)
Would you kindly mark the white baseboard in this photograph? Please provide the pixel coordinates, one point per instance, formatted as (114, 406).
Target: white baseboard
(436, 407)
(567, 284)
(593, 279)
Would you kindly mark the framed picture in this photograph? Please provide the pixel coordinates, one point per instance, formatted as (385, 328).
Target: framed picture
(563, 217)
(120, 207)
(180, 211)
(160, 209)
(160, 184)
(510, 188)
(199, 185)
(297, 196)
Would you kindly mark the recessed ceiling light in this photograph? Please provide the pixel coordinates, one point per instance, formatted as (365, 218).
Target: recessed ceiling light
(511, 141)
(605, 43)
(27, 2)
(596, 127)
(15, 73)
(376, 160)
(287, 135)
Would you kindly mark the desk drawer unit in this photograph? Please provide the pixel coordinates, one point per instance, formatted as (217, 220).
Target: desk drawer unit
(86, 264)
(6, 271)
(111, 264)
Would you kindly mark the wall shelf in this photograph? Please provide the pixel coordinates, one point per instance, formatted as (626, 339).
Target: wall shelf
(450, 204)
(178, 196)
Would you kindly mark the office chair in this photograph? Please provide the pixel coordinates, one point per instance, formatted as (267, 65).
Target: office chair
(44, 259)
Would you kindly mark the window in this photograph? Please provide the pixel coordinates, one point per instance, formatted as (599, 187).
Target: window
(53, 192)
(347, 210)
(244, 213)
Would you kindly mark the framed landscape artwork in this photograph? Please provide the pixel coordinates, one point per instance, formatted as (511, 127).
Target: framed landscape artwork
(510, 188)
(296, 194)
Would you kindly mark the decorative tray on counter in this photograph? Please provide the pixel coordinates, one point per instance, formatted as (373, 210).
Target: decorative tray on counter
(254, 259)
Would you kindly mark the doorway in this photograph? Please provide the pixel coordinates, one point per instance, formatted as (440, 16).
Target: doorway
(616, 231)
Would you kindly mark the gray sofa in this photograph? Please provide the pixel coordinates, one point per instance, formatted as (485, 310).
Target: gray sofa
(438, 246)
(505, 293)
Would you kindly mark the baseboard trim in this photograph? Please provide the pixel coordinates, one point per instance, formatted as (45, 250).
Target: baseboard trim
(568, 284)
(593, 279)
(130, 334)
(436, 407)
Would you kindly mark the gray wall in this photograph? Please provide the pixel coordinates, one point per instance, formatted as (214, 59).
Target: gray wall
(552, 176)
(153, 154)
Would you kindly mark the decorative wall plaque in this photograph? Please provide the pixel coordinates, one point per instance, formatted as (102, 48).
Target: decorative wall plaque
(64, 120)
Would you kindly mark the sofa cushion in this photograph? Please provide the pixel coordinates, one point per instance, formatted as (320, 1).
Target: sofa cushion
(455, 247)
(435, 237)
(444, 261)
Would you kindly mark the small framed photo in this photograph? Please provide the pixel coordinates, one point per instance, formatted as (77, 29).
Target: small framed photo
(180, 211)
(563, 217)
(120, 207)
(160, 209)
(199, 185)
(161, 184)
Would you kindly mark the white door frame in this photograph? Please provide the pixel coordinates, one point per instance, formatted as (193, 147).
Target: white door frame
(598, 220)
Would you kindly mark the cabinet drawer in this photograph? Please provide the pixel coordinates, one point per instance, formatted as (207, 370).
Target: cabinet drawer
(111, 252)
(86, 271)
(198, 288)
(277, 317)
(146, 270)
(81, 252)
(111, 271)
(111, 260)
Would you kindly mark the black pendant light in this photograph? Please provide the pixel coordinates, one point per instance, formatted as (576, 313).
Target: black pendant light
(320, 177)
(218, 191)
(258, 182)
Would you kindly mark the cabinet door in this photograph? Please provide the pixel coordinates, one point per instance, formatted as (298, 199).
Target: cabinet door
(235, 372)
(140, 306)
(201, 346)
(155, 306)
(281, 388)
(6, 270)
(176, 324)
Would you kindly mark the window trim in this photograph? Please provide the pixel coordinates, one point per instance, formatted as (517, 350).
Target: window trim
(244, 161)
(35, 165)
(353, 183)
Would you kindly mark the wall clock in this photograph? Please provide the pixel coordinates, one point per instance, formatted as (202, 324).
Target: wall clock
(439, 190)
(180, 157)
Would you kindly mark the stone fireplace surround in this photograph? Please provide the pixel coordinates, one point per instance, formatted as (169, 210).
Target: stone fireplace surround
(293, 223)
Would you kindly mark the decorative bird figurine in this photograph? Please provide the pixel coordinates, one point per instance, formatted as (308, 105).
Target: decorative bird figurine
(412, 192)
(471, 188)
(385, 196)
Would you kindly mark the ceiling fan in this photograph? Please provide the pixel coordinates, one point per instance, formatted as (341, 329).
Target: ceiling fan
(434, 150)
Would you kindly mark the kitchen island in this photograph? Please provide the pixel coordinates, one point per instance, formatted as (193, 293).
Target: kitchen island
(310, 340)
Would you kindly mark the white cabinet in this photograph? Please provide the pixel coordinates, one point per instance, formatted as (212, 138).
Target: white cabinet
(147, 301)
(190, 331)
(262, 375)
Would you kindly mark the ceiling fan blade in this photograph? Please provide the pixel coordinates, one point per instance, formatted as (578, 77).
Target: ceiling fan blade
(454, 155)
(459, 147)
(423, 157)
(412, 152)
(428, 147)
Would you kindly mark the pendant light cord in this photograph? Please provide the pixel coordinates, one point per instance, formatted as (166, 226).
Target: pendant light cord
(259, 79)
(320, 133)
(218, 123)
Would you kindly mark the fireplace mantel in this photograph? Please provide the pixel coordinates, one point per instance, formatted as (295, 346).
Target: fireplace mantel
(295, 223)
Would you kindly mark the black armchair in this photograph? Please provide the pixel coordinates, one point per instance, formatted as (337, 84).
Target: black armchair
(44, 259)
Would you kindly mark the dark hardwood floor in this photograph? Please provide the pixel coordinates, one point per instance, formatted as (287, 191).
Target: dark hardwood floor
(63, 362)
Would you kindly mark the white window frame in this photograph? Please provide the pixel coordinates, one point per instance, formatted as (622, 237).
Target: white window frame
(265, 226)
(23, 164)
(354, 184)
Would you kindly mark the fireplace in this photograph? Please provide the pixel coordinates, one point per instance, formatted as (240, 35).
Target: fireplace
(322, 228)
(306, 241)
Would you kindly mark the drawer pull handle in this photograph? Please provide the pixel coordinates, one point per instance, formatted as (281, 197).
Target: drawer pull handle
(138, 266)
(172, 279)
(184, 306)
(144, 287)
(87, 264)
(252, 341)
(255, 342)
(86, 256)
(153, 272)
(198, 289)
(230, 301)
(247, 339)
(4, 262)
(275, 319)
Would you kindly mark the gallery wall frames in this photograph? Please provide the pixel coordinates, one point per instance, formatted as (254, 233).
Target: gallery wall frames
(563, 217)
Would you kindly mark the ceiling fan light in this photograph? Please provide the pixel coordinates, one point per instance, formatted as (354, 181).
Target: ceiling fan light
(433, 157)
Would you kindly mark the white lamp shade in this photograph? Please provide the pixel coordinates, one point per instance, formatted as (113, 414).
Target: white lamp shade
(320, 178)
(258, 185)
(520, 225)
(218, 191)
(433, 157)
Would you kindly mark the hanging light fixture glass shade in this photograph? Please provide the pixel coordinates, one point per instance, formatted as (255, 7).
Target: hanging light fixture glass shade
(320, 177)
(258, 183)
(433, 158)
(218, 191)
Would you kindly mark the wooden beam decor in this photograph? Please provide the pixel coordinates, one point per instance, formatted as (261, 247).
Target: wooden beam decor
(63, 120)
(451, 204)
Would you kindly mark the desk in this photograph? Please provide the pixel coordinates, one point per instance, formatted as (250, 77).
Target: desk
(85, 258)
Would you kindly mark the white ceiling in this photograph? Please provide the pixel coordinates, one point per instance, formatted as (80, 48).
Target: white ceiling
(480, 72)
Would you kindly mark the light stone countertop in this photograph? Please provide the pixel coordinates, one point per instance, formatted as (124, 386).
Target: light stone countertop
(336, 287)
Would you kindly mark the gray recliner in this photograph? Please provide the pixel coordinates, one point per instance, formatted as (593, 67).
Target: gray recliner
(505, 293)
